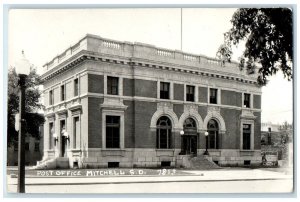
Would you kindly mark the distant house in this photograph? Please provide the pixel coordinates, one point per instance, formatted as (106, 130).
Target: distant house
(33, 150)
(275, 139)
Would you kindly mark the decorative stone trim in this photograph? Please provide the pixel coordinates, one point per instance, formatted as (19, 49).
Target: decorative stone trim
(113, 152)
(114, 103)
(251, 122)
(50, 115)
(247, 152)
(164, 152)
(191, 110)
(113, 112)
(164, 109)
(214, 113)
(247, 114)
(62, 113)
(86, 55)
(76, 109)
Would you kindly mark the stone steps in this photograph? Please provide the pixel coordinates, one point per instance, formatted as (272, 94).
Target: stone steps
(202, 162)
(59, 162)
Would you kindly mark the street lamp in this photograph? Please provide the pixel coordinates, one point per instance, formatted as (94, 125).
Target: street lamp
(206, 137)
(22, 69)
(181, 132)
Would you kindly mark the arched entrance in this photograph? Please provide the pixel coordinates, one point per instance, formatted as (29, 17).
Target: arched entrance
(189, 138)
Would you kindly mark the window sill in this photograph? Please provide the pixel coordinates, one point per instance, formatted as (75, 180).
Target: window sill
(164, 152)
(246, 152)
(113, 152)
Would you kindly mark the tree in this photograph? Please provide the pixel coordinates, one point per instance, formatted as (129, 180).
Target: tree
(268, 33)
(32, 104)
(286, 131)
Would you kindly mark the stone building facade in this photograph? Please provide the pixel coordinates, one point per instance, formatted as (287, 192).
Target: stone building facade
(120, 104)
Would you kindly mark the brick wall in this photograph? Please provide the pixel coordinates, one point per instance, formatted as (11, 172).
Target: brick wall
(129, 124)
(257, 130)
(202, 111)
(143, 114)
(257, 101)
(202, 94)
(178, 110)
(145, 88)
(178, 91)
(95, 83)
(231, 140)
(231, 98)
(128, 85)
(94, 122)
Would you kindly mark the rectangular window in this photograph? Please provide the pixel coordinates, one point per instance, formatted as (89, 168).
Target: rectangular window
(27, 146)
(164, 90)
(112, 132)
(247, 100)
(36, 146)
(51, 132)
(62, 93)
(213, 96)
(51, 97)
(76, 131)
(62, 126)
(190, 93)
(76, 90)
(246, 136)
(112, 85)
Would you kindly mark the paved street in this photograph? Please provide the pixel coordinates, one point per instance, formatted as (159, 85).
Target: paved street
(209, 181)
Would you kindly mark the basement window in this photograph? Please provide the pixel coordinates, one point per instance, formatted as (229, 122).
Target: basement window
(165, 163)
(247, 163)
(113, 164)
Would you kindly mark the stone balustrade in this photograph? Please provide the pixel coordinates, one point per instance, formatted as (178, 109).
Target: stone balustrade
(140, 51)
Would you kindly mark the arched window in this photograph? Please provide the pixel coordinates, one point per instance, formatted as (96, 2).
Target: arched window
(213, 137)
(189, 123)
(190, 127)
(164, 133)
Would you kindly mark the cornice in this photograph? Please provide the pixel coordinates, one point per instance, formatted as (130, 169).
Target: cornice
(84, 55)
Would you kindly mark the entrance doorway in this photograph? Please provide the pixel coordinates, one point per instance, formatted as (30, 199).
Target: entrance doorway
(189, 139)
(63, 146)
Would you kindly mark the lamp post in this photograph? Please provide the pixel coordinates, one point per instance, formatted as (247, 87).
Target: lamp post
(206, 137)
(23, 70)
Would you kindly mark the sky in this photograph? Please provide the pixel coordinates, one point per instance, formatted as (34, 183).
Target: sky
(43, 34)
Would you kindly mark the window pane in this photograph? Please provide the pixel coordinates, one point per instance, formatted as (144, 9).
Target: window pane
(51, 132)
(112, 132)
(76, 131)
(212, 140)
(51, 97)
(112, 85)
(246, 136)
(62, 91)
(76, 87)
(163, 139)
(163, 132)
(164, 90)
(190, 93)
(213, 96)
(247, 100)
